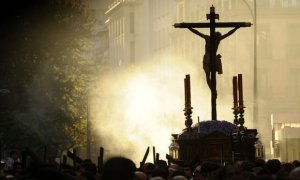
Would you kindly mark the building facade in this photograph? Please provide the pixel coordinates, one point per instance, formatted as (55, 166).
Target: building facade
(285, 144)
(127, 31)
(278, 68)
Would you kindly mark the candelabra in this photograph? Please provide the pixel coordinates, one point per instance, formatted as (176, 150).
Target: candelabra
(241, 120)
(188, 116)
(236, 112)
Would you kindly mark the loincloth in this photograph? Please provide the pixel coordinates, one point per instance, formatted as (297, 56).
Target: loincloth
(206, 64)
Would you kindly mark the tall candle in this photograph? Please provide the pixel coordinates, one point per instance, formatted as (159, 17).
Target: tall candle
(198, 124)
(185, 92)
(240, 86)
(234, 82)
(188, 88)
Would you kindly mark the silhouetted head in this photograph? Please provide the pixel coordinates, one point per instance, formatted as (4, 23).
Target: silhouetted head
(218, 34)
(119, 168)
(160, 172)
(230, 172)
(288, 167)
(14, 155)
(188, 170)
(296, 163)
(148, 168)
(273, 165)
(295, 174)
(140, 175)
(260, 163)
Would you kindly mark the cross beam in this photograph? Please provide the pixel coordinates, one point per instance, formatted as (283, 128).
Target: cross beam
(212, 25)
(208, 25)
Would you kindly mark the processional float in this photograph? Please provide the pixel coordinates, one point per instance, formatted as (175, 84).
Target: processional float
(214, 140)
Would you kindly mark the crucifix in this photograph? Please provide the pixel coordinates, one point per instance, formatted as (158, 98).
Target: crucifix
(211, 46)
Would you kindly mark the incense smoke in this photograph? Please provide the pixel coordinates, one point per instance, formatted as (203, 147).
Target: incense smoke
(143, 105)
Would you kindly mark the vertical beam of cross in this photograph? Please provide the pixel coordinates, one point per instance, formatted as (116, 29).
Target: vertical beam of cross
(212, 19)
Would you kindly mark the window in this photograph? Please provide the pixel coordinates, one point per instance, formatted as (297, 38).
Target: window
(225, 5)
(132, 52)
(131, 19)
(233, 4)
(263, 41)
(199, 12)
(180, 12)
(293, 42)
(263, 89)
(263, 4)
(295, 82)
(109, 30)
(277, 151)
(287, 3)
(273, 3)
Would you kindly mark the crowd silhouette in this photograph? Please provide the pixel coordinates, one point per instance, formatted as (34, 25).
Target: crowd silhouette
(123, 168)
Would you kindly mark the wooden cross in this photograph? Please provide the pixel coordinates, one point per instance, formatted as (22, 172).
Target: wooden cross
(212, 25)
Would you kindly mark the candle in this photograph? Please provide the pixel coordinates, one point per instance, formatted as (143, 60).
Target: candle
(185, 92)
(234, 82)
(188, 89)
(240, 89)
(198, 124)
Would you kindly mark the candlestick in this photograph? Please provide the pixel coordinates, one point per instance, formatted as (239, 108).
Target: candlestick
(236, 114)
(234, 82)
(241, 119)
(240, 89)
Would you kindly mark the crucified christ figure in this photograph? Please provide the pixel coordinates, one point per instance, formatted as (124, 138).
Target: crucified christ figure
(206, 57)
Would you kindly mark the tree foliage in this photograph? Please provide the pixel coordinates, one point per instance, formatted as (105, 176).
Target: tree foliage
(46, 64)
